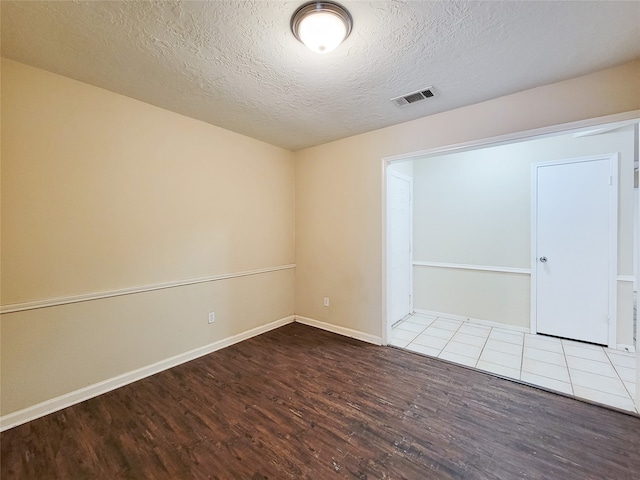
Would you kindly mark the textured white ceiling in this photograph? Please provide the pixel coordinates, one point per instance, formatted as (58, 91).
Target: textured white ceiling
(236, 64)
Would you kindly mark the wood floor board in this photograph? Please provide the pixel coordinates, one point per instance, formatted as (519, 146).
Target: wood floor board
(301, 403)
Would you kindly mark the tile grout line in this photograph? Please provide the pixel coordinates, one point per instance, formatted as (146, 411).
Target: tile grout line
(484, 345)
(615, 369)
(566, 366)
(566, 363)
(498, 365)
(503, 352)
(420, 333)
(592, 373)
(524, 337)
(624, 384)
(395, 327)
(454, 334)
(448, 341)
(475, 363)
(417, 335)
(466, 322)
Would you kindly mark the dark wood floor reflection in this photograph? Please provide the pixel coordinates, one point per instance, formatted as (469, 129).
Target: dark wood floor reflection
(302, 403)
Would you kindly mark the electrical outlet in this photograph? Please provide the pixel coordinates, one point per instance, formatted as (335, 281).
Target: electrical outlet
(212, 317)
(326, 301)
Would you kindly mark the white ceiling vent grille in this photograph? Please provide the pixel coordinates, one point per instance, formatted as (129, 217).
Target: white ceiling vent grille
(413, 97)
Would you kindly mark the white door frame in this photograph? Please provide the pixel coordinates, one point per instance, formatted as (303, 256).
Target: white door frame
(637, 150)
(388, 172)
(614, 160)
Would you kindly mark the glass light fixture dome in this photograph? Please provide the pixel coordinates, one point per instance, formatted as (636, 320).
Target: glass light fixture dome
(321, 26)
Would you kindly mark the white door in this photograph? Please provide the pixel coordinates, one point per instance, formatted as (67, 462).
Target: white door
(574, 248)
(398, 246)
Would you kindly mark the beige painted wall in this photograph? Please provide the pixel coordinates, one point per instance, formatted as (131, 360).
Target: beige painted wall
(339, 186)
(103, 192)
(475, 208)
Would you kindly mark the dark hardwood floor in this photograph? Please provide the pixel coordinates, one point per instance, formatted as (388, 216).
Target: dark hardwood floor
(298, 402)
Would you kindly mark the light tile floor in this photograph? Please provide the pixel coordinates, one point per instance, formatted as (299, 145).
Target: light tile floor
(580, 369)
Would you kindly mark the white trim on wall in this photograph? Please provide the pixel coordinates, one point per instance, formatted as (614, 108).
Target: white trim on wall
(615, 121)
(347, 332)
(446, 316)
(471, 320)
(626, 278)
(53, 405)
(54, 302)
(626, 348)
(504, 326)
(386, 331)
(482, 268)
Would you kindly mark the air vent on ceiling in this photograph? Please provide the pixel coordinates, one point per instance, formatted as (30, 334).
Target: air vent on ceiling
(413, 97)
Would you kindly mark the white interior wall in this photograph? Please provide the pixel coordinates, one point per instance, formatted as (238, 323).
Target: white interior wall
(474, 208)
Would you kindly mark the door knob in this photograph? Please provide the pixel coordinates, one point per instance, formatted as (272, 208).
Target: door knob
(543, 259)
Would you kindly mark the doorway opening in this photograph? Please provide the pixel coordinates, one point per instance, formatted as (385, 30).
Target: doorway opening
(472, 257)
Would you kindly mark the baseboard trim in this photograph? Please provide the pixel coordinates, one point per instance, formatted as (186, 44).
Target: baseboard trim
(480, 268)
(626, 278)
(450, 316)
(347, 332)
(505, 326)
(626, 348)
(479, 321)
(53, 405)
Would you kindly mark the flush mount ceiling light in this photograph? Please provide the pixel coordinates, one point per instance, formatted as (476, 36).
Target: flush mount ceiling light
(321, 26)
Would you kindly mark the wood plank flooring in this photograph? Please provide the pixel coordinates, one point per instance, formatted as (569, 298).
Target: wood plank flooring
(301, 403)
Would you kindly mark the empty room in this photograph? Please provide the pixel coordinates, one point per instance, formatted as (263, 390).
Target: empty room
(229, 228)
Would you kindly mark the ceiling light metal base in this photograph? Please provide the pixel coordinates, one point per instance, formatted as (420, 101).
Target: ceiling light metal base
(312, 8)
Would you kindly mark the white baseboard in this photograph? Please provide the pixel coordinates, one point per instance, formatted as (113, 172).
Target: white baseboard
(626, 278)
(626, 348)
(53, 405)
(479, 321)
(449, 316)
(504, 326)
(347, 332)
